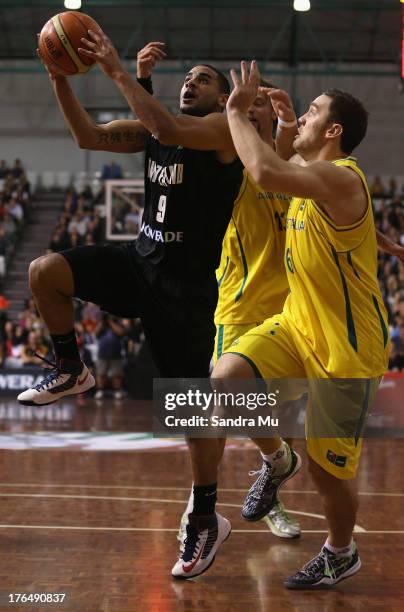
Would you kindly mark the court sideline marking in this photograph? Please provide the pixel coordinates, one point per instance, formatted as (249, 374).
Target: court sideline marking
(166, 529)
(357, 528)
(93, 486)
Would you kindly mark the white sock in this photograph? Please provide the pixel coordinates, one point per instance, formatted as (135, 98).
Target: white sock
(280, 459)
(190, 505)
(345, 551)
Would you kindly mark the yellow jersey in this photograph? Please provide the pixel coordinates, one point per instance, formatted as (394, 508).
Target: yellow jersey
(251, 275)
(335, 300)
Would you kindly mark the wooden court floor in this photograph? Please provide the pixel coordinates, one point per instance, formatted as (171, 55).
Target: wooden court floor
(100, 526)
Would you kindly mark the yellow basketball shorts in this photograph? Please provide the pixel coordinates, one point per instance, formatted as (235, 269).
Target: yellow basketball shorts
(226, 334)
(275, 350)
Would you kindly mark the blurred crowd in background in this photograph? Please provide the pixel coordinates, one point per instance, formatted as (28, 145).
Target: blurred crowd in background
(15, 208)
(108, 344)
(388, 203)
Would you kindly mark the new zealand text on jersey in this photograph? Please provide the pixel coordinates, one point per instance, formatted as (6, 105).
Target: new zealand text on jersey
(165, 175)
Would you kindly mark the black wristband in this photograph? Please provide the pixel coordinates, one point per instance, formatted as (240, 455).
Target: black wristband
(146, 83)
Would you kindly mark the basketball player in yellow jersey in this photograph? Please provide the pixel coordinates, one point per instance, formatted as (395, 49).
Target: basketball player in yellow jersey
(333, 328)
(252, 277)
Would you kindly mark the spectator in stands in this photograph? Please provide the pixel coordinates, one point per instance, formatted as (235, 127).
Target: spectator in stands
(15, 338)
(377, 188)
(89, 240)
(109, 334)
(56, 243)
(8, 223)
(91, 317)
(35, 344)
(79, 223)
(3, 168)
(16, 211)
(134, 337)
(74, 238)
(8, 184)
(392, 187)
(17, 170)
(397, 350)
(111, 171)
(29, 316)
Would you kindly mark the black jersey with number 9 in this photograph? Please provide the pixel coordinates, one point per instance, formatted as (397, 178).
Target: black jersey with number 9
(189, 197)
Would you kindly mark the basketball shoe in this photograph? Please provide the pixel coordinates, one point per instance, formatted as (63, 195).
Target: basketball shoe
(67, 378)
(204, 536)
(325, 570)
(263, 495)
(280, 523)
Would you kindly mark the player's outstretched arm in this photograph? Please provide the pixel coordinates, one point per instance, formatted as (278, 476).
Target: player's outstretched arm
(116, 136)
(203, 133)
(388, 246)
(335, 188)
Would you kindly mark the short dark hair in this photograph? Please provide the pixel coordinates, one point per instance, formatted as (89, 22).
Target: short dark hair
(224, 84)
(348, 111)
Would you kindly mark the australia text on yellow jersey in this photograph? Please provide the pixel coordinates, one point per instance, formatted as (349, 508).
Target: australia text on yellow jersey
(252, 277)
(335, 300)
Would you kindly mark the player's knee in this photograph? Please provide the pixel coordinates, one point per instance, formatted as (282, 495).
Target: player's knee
(322, 479)
(44, 270)
(232, 366)
(36, 273)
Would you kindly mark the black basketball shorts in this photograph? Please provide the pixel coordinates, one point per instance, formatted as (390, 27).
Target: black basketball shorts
(178, 325)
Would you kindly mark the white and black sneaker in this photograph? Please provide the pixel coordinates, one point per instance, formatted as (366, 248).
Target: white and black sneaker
(325, 570)
(67, 378)
(204, 536)
(263, 495)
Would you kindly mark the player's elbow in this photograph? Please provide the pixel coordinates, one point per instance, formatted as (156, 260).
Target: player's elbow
(83, 142)
(262, 175)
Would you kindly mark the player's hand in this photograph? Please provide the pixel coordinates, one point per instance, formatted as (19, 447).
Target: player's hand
(99, 48)
(245, 89)
(147, 58)
(281, 103)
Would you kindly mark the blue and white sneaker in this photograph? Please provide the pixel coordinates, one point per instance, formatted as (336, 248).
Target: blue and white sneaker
(325, 570)
(205, 534)
(67, 378)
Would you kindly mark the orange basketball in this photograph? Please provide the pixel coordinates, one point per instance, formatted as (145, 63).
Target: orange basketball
(60, 38)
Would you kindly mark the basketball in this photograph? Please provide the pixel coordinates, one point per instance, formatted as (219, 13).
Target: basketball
(60, 38)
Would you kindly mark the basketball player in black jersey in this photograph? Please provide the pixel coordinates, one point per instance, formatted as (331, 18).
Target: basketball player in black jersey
(166, 276)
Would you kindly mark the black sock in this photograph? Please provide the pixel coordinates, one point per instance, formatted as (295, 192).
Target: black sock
(65, 347)
(204, 499)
